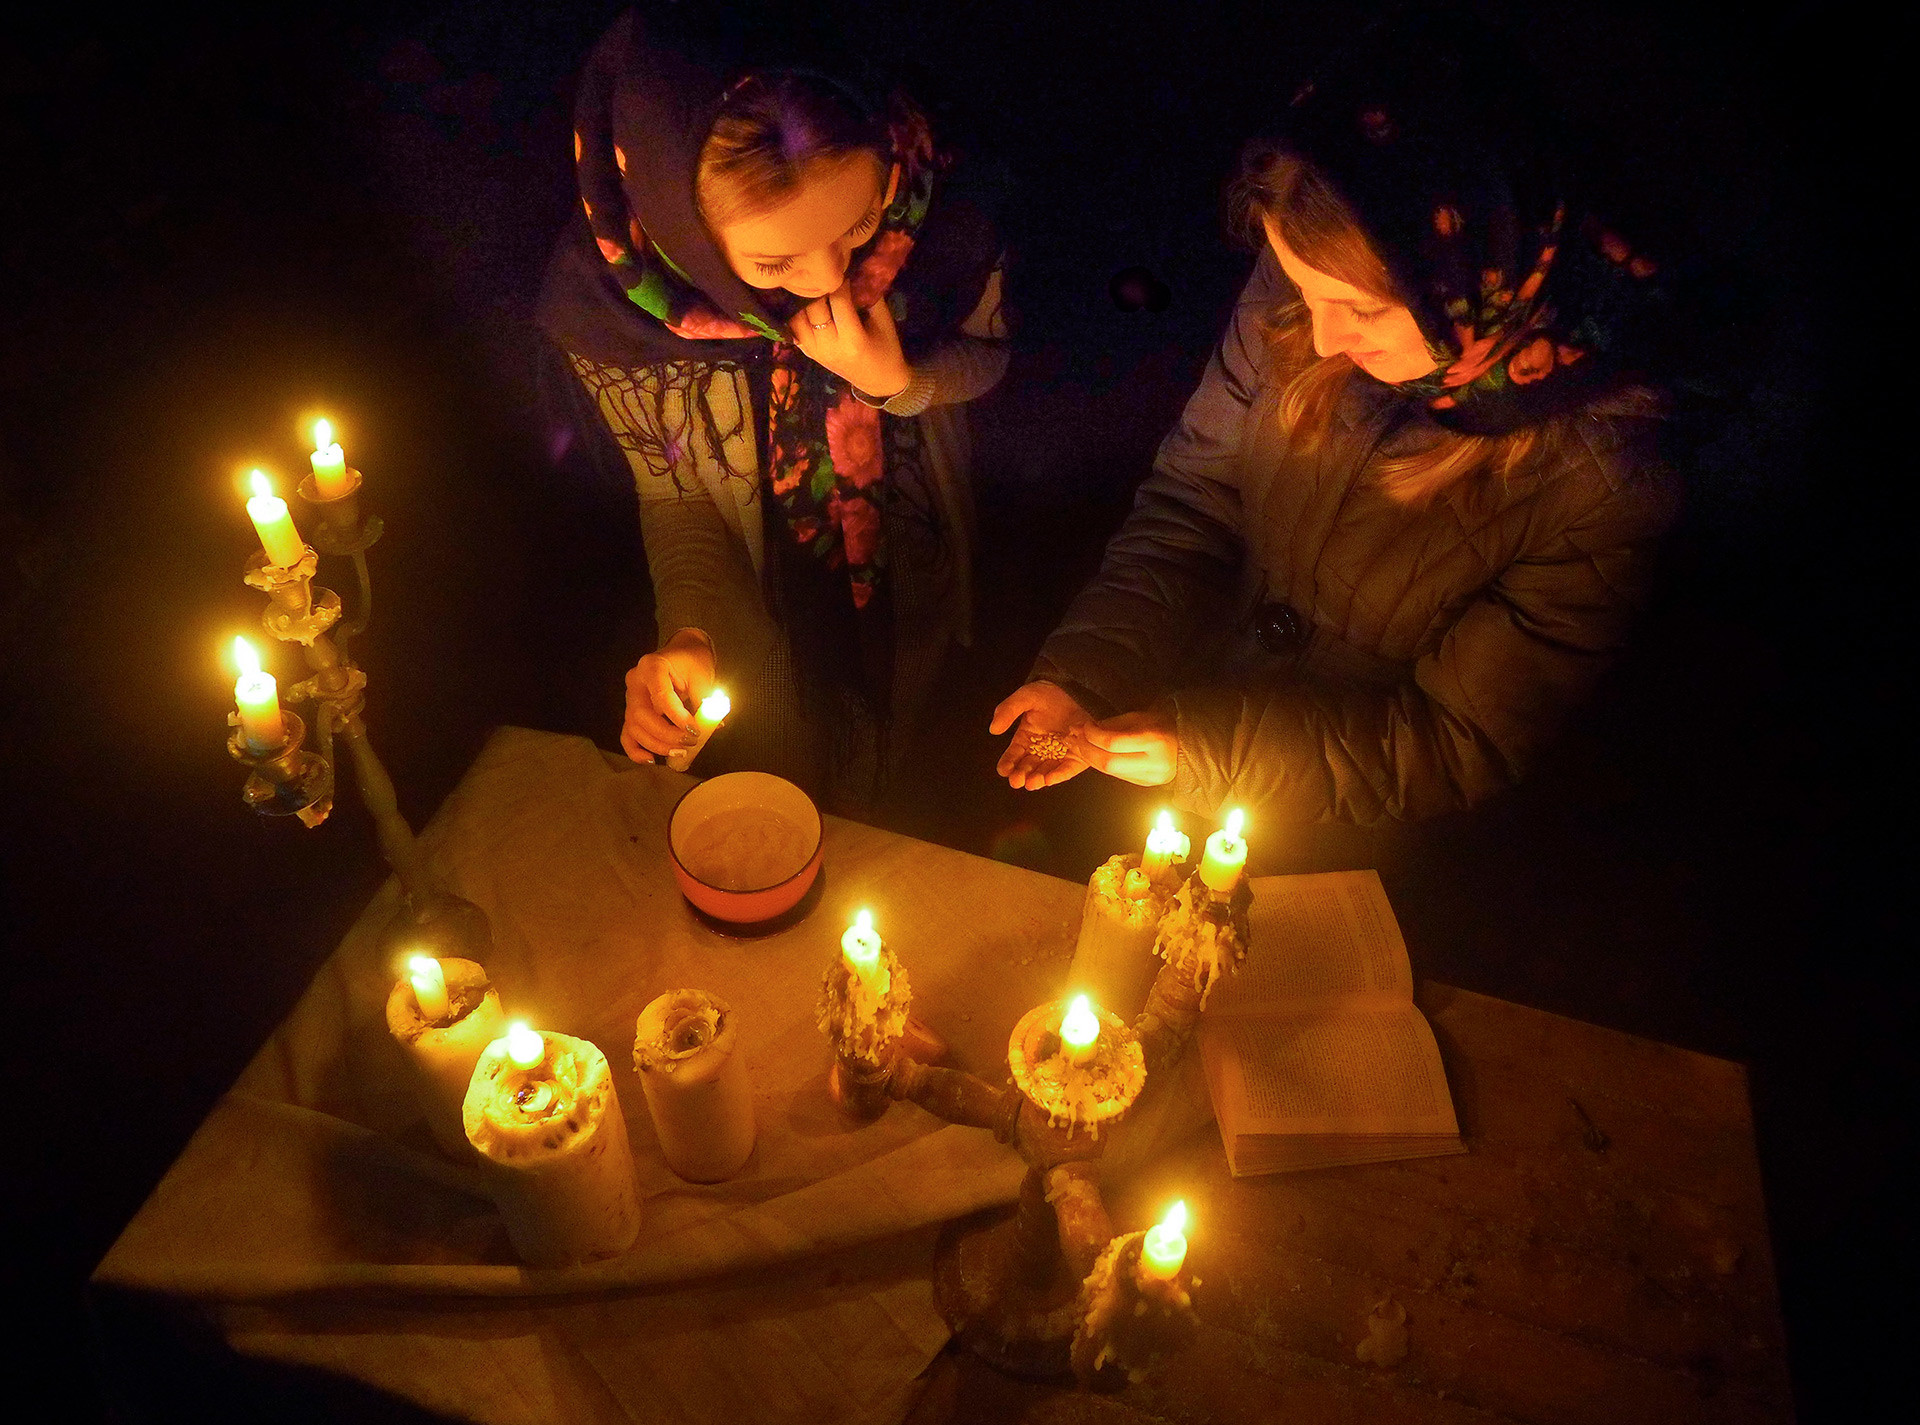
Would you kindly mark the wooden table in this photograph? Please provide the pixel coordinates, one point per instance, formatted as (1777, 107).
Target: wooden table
(1600, 1253)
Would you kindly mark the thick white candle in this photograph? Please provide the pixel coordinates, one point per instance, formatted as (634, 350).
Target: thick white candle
(686, 1049)
(1113, 957)
(1164, 1247)
(1166, 848)
(860, 947)
(553, 1144)
(713, 711)
(275, 526)
(1226, 855)
(257, 696)
(442, 1048)
(329, 464)
(1079, 1031)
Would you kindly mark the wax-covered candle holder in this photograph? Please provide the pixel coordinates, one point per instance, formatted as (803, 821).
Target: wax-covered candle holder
(338, 528)
(863, 1012)
(1132, 1310)
(1009, 1284)
(1203, 938)
(286, 780)
(300, 779)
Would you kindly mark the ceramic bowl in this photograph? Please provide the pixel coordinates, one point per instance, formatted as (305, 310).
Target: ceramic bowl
(745, 793)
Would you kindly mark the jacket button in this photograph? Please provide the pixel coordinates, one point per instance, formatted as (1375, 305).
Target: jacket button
(1277, 627)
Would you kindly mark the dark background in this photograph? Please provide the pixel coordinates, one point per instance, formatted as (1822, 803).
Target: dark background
(216, 226)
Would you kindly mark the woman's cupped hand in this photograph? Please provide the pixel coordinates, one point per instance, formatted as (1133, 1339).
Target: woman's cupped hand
(860, 347)
(663, 690)
(1057, 739)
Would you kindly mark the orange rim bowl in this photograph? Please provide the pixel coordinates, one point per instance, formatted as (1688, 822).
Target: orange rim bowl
(732, 791)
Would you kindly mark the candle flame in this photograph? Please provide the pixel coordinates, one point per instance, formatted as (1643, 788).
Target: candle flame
(422, 964)
(322, 434)
(1175, 1222)
(1236, 822)
(261, 486)
(1164, 826)
(864, 921)
(245, 659)
(1081, 1026)
(716, 706)
(525, 1047)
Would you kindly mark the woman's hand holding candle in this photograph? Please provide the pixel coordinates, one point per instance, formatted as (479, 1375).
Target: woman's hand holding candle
(257, 696)
(1164, 1248)
(714, 708)
(330, 480)
(1226, 856)
(268, 512)
(664, 691)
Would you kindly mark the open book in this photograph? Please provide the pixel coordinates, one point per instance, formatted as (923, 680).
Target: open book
(1314, 1053)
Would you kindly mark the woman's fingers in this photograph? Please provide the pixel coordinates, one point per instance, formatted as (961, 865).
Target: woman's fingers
(630, 745)
(841, 311)
(1020, 700)
(658, 683)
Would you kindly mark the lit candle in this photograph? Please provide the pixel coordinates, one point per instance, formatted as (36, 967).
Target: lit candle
(329, 465)
(525, 1047)
(429, 986)
(713, 711)
(277, 534)
(257, 696)
(1226, 857)
(860, 947)
(1166, 847)
(543, 1116)
(1079, 1031)
(1164, 1247)
(441, 1049)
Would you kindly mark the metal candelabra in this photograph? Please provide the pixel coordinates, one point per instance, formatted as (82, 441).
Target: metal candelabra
(297, 779)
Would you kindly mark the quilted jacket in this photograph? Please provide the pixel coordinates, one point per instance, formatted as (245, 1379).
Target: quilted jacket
(1332, 654)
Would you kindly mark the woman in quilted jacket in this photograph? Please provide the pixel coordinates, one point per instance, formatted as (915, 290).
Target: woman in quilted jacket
(1405, 521)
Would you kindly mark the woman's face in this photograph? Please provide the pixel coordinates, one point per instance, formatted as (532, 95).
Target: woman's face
(803, 245)
(1379, 337)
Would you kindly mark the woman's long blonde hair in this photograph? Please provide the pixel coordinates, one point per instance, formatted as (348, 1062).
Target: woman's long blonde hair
(1317, 225)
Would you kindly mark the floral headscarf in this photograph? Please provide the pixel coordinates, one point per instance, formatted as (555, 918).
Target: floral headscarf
(1528, 304)
(643, 112)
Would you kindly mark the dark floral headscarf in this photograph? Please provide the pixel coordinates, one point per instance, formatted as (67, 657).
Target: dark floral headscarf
(1528, 303)
(643, 111)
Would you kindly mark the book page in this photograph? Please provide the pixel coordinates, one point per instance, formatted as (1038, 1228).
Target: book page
(1375, 1071)
(1318, 940)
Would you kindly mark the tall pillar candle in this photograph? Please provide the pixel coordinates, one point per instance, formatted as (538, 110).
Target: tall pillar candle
(543, 1116)
(713, 711)
(442, 1047)
(686, 1049)
(1113, 959)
